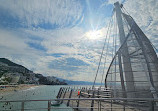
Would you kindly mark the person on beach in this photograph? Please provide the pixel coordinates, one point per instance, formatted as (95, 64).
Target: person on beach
(78, 93)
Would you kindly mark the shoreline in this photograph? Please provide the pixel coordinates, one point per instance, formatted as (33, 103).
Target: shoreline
(7, 90)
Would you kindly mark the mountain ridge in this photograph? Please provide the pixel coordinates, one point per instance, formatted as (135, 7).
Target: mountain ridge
(72, 82)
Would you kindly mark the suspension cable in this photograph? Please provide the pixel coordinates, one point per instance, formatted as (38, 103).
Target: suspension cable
(102, 52)
(106, 55)
(114, 45)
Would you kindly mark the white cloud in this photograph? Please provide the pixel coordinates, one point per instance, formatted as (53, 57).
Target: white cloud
(14, 46)
(9, 40)
(62, 40)
(58, 12)
(145, 13)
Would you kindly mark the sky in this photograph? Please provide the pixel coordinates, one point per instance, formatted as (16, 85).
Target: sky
(64, 38)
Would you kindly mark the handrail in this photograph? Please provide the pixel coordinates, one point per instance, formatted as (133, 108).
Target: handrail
(151, 100)
(135, 99)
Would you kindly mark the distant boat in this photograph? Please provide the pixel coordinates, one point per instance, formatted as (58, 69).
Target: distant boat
(55, 103)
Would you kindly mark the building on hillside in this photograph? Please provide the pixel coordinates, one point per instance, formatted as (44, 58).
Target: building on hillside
(51, 78)
(31, 79)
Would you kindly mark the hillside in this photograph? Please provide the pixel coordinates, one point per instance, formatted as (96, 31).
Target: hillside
(9, 63)
(13, 73)
(6, 62)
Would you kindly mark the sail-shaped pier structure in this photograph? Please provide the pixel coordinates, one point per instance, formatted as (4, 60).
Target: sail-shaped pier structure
(133, 71)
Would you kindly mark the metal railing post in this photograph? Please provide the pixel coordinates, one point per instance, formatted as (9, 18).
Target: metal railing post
(123, 105)
(151, 105)
(69, 97)
(100, 105)
(22, 106)
(49, 105)
(111, 105)
(92, 103)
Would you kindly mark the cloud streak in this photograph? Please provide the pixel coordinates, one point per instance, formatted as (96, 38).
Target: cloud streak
(41, 13)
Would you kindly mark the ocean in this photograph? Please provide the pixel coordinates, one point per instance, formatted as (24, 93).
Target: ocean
(33, 93)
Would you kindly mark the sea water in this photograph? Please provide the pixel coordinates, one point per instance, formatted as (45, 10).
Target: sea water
(33, 93)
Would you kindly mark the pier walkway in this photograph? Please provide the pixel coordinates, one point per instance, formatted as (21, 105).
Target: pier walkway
(103, 99)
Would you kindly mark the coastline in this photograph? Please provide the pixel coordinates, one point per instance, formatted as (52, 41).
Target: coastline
(7, 90)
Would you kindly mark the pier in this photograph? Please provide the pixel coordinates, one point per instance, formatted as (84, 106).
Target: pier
(69, 96)
(102, 99)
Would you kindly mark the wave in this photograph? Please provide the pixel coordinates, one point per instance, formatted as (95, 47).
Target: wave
(31, 88)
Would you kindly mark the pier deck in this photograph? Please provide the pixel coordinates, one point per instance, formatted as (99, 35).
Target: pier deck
(101, 105)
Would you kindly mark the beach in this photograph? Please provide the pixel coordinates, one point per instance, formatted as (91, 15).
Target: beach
(12, 88)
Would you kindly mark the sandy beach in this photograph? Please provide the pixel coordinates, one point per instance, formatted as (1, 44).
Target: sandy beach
(16, 88)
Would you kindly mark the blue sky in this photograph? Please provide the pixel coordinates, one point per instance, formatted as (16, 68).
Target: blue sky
(52, 36)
